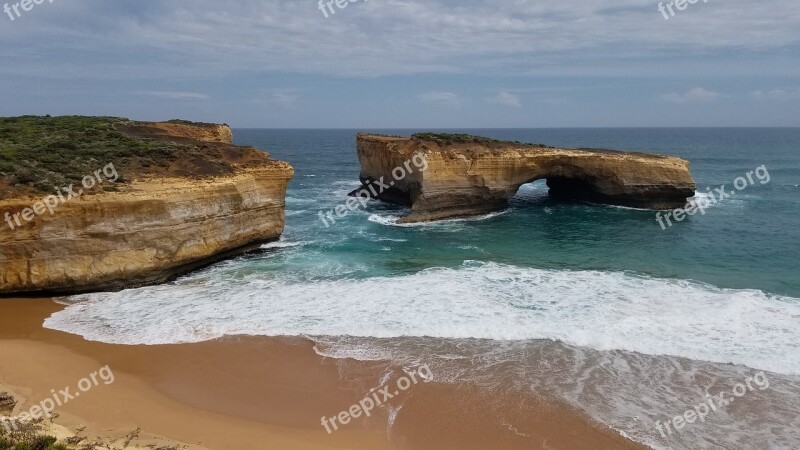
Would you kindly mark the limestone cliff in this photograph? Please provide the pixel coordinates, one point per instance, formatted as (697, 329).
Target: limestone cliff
(159, 223)
(468, 175)
(177, 130)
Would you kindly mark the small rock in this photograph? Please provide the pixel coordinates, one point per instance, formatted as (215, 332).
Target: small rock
(7, 403)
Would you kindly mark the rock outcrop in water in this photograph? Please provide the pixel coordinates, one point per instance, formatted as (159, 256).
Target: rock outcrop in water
(469, 175)
(185, 199)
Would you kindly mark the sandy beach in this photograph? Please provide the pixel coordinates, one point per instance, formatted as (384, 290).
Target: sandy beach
(252, 393)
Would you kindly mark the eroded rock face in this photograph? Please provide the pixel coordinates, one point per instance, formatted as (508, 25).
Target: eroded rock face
(470, 176)
(151, 230)
(178, 130)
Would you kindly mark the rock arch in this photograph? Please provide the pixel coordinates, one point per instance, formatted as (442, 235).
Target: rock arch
(467, 175)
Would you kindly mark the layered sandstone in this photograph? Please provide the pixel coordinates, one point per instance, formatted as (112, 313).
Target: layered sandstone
(154, 226)
(178, 130)
(468, 175)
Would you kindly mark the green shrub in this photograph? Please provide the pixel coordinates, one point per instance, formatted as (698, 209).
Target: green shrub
(28, 438)
(450, 139)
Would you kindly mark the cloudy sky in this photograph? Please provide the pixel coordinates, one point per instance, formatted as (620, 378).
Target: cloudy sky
(407, 63)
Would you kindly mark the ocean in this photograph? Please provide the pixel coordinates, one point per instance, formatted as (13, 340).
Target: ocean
(595, 306)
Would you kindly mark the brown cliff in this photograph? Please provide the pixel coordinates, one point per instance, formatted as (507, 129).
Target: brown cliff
(468, 175)
(166, 215)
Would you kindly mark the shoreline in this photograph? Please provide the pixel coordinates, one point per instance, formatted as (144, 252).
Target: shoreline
(256, 392)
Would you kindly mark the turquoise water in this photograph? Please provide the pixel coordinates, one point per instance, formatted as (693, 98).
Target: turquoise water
(751, 240)
(721, 286)
(596, 306)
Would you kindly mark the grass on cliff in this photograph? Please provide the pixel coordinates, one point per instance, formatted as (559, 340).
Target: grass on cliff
(189, 122)
(43, 152)
(38, 153)
(450, 139)
(28, 437)
(37, 443)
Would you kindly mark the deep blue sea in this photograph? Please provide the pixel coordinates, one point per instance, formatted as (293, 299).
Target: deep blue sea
(584, 286)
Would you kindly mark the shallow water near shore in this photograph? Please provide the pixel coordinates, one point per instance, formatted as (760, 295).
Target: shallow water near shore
(592, 305)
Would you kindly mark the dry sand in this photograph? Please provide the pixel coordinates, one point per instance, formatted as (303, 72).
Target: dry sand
(253, 393)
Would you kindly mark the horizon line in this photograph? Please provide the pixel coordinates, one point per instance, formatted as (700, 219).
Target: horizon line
(514, 128)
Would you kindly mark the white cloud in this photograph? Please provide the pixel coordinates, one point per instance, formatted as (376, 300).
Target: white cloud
(173, 95)
(506, 98)
(244, 51)
(695, 95)
(443, 98)
(393, 37)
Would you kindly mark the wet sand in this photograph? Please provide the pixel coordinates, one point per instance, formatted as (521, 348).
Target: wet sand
(261, 393)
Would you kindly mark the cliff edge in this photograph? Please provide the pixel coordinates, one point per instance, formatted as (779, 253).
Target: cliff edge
(91, 204)
(469, 175)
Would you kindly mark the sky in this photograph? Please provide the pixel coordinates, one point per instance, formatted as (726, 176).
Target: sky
(406, 63)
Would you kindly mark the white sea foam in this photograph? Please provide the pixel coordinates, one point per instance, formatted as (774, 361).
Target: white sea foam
(282, 244)
(384, 239)
(601, 310)
(708, 199)
(384, 219)
(391, 220)
(624, 207)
